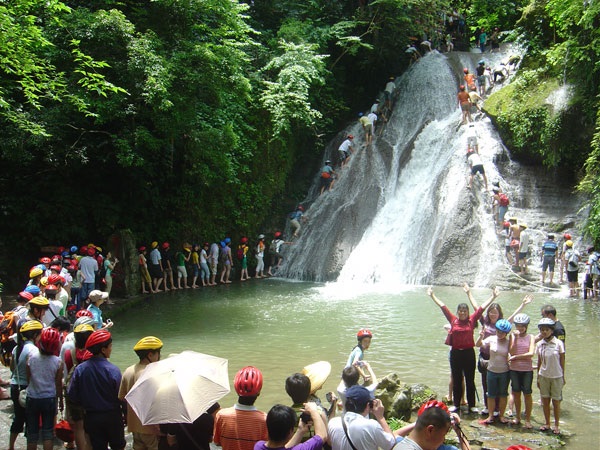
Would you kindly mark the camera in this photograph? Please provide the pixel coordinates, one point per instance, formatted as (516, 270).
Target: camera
(305, 417)
(329, 397)
(371, 404)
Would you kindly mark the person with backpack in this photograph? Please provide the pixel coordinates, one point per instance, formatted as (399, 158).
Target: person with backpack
(594, 263)
(9, 325)
(274, 252)
(259, 251)
(503, 202)
(29, 334)
(572, 258)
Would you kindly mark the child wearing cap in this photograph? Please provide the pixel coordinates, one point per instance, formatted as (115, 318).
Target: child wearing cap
(550, 353)
(97, 298)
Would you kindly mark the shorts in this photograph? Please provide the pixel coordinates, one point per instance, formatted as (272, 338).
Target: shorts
(465, 106)
(551, 387)
(144, 441)
(368, 128)
(345, 155)
(481, 80)
(326, 182)
(181, 272)
(40, 414)
(522, 255)
(572, 276)
(521, 381)
(478, 168)
(213, 267)
(168, 271)
(548, 262)
(497, 384)
(195, 270)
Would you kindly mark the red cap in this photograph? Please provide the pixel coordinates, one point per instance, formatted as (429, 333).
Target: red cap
(165, 245)
(91, 251)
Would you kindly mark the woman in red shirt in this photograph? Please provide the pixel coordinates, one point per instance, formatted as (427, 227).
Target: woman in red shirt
(462, 354)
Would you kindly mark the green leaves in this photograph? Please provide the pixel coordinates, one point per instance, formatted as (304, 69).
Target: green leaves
(298, 69)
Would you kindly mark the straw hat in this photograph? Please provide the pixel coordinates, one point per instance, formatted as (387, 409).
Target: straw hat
(317, 373)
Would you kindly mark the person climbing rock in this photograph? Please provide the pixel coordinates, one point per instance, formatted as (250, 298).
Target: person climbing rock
(346, 149)
(464, 101)
(327, 177)
(367, 126)
(476, 165)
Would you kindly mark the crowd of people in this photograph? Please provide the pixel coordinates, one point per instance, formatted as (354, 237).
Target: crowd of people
(59, 368)
(506, 356)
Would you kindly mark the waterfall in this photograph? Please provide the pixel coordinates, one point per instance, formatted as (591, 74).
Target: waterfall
(400, 211)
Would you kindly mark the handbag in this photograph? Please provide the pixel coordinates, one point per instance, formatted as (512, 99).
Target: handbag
(23, 397)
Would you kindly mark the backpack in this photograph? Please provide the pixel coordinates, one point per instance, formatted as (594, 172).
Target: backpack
(503, 200)
(573, 259)
(273, 247)
(8, 327)
(240, 252)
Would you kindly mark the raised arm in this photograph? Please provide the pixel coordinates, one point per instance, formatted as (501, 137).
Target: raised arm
(467, 290)
(434, 298)
(526, 300)
(494, 296)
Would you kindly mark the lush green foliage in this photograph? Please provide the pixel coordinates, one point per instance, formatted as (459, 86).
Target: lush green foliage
(192, 119)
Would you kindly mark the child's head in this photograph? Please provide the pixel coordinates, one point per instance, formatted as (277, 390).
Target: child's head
(364, 338)
(50, 341)
(61, 324)
(549, 311)
(280, 423)
(546, 327)
(350, 376)
(297, 387)
(98, 297)
(521, 322)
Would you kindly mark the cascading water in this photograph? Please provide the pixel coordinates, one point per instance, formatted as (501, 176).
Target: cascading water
(400, 211)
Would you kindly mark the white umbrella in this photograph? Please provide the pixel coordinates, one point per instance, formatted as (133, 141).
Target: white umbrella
(179, 389)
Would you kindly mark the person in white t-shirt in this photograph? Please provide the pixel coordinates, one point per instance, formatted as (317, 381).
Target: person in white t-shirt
(550, 353)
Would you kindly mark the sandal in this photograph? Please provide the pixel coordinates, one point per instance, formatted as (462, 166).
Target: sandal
(544, 428)
(486, 421)
(515, 422)
(556, 430)
(504, 421)
(528, 425)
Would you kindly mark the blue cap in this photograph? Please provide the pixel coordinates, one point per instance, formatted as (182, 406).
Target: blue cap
(227, 240)
(74, 249)
(360, 396)
(33, 290)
